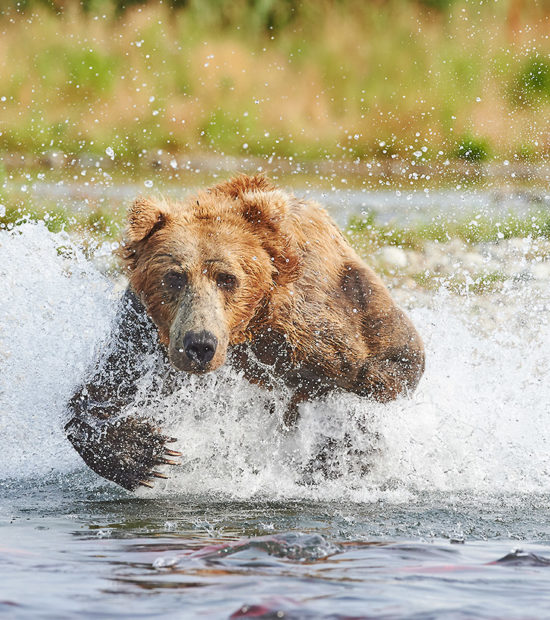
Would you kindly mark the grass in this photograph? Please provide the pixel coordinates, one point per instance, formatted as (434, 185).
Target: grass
(93, 222)
(365, 233)
(311, 80)
(478, 284)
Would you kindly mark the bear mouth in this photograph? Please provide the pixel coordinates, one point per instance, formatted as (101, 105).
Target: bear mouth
(183, 364)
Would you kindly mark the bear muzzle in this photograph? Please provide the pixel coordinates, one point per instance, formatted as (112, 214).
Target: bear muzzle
(195, 352)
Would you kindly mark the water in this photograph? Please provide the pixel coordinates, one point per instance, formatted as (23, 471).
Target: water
(459, 478)
(71, 552)
(407, 205)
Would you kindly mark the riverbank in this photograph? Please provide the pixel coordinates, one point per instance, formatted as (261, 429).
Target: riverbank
(302, 80)
(395, 171)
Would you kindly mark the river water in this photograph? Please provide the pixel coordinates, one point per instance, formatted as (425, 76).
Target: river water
(452, 519)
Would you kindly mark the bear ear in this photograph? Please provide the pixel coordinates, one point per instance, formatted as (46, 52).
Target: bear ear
(145, 217)
(269, 214)
(266, 209)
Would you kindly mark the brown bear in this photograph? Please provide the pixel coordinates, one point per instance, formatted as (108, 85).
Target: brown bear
(249, 274)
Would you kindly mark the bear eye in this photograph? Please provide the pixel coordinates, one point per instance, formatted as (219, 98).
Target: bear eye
(175, 279)
(226, 281)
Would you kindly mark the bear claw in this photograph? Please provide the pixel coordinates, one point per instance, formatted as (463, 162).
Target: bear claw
(146, 483)
(172, 452)
(163, 461)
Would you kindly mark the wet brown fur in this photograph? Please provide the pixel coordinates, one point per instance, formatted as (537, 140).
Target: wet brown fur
(303, 293)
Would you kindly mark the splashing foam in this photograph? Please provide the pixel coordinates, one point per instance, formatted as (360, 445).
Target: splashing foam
(478, 422)
(54, 307)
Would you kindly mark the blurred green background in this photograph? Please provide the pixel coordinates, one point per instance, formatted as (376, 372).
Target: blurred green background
(103, 100)
(426, 80)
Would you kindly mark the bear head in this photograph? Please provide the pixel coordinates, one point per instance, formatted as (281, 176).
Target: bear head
(206, 268)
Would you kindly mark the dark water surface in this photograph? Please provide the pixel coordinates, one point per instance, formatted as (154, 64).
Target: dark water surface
(66, 553)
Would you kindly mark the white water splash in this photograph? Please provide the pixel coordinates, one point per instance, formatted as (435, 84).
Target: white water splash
(54, 306)
(479, 421)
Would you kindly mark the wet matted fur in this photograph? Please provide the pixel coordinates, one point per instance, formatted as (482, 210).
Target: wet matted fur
(248, 274)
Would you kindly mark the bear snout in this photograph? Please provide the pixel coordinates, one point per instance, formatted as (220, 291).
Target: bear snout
(195, 352)
(200, 346)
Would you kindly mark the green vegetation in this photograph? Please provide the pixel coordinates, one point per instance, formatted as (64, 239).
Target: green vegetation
(532, 83)
(480, 284)
(472, 149)
(417, 79)
(364, 232)
(91, 225)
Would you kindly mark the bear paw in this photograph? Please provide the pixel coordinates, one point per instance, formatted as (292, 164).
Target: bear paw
(125, 451)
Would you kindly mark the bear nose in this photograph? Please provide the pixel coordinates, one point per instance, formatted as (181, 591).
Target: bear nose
(200, 346)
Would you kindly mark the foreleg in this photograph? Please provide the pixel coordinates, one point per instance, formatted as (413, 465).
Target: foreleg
(122, 449)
